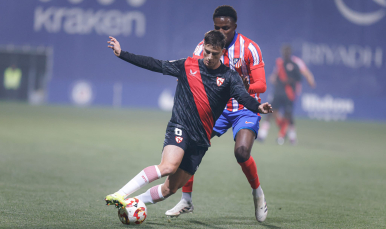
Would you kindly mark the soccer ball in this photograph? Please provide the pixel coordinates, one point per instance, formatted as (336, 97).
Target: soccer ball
(134, 213)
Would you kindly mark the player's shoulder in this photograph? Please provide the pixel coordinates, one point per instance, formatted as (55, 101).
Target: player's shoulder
(200, 44)
(198, 51)
(248, 41)
(298, 61)
(176, 63)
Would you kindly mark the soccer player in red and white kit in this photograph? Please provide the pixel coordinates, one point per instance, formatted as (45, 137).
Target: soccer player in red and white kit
(203, 89)
(244, 56)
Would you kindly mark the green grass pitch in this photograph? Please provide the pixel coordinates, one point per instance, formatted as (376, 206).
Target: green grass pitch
(58, 163)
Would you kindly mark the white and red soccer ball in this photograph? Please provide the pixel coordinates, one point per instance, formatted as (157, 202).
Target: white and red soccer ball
(134, 213)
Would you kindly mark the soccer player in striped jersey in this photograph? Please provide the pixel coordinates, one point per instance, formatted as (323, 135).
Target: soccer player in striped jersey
(285, 93)
(203, 89)
(244, 56)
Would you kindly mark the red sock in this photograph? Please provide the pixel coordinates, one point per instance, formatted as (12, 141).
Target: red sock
(250, 170)
(279, 122)
(283, 128)
(188, 187)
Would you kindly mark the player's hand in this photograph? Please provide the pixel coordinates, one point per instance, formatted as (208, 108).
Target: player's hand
(114, 45)
(265, 108)
(245, 81)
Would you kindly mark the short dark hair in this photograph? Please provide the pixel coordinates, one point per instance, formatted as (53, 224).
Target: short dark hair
(215, 38)
(225, 11)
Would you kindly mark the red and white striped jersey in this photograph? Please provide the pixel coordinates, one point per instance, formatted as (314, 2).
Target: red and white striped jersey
(244, 56)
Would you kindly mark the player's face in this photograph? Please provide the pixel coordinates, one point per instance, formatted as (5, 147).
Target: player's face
(227, 26)
(212, 56)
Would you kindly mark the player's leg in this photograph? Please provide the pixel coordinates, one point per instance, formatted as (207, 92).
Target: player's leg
(264, 127)
(174, 146)
(190, 162)
(245, 131)
(160, 192)
(291, 132)
(221, 126)
(281, 121)
(171, 159)
(265, 123)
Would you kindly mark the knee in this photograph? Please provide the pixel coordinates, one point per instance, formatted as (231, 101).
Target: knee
(242, 153)
(167, 170)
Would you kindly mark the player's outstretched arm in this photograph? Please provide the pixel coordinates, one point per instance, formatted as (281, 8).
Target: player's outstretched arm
(114, 45)
(145, 62)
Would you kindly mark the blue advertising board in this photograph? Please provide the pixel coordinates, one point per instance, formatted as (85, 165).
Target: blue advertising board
(341, 41)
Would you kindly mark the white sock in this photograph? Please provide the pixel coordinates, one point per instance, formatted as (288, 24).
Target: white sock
(257, 192)
(187, 196)
(152, 195)
(292, 133)
(144, 177)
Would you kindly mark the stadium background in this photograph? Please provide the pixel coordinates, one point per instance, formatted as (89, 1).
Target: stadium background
(84, 122)
(342, 42)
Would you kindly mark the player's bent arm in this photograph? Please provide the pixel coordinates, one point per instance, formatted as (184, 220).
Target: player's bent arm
(238, 92)
(309, 76)
(259, 84)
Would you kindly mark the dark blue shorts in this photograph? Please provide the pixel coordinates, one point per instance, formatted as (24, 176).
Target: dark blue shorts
(242, 119)
(193, 154)
(283, 102)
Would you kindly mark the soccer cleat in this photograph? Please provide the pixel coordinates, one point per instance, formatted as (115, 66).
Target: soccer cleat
(116, 199)
(182, 207)
(261, 208)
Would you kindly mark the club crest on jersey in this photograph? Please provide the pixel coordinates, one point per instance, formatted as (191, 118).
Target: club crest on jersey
(179, 139)
(237, 62)
(220, 81)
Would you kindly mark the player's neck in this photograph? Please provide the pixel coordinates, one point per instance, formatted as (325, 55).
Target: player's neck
(215, 66)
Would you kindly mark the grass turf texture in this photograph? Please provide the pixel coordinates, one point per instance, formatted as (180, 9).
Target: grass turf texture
(58, 163)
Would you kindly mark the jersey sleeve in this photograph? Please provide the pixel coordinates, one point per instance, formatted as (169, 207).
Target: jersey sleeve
(256, 66)
(145, 62)
(198, 52)
(299, 62)
(238, 92)
(173, 67)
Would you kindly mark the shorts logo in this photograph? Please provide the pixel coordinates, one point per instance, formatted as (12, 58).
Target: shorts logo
(246, 122)
(179, 139)
(220, 81)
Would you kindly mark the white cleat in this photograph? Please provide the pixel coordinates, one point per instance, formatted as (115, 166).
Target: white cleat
(261, 209)
(182, 207)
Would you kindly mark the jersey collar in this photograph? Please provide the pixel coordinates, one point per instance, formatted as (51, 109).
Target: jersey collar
(233, 41)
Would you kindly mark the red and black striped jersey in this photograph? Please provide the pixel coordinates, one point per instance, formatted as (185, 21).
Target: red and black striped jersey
(201, 93)
(244, 56)
(288, 74)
